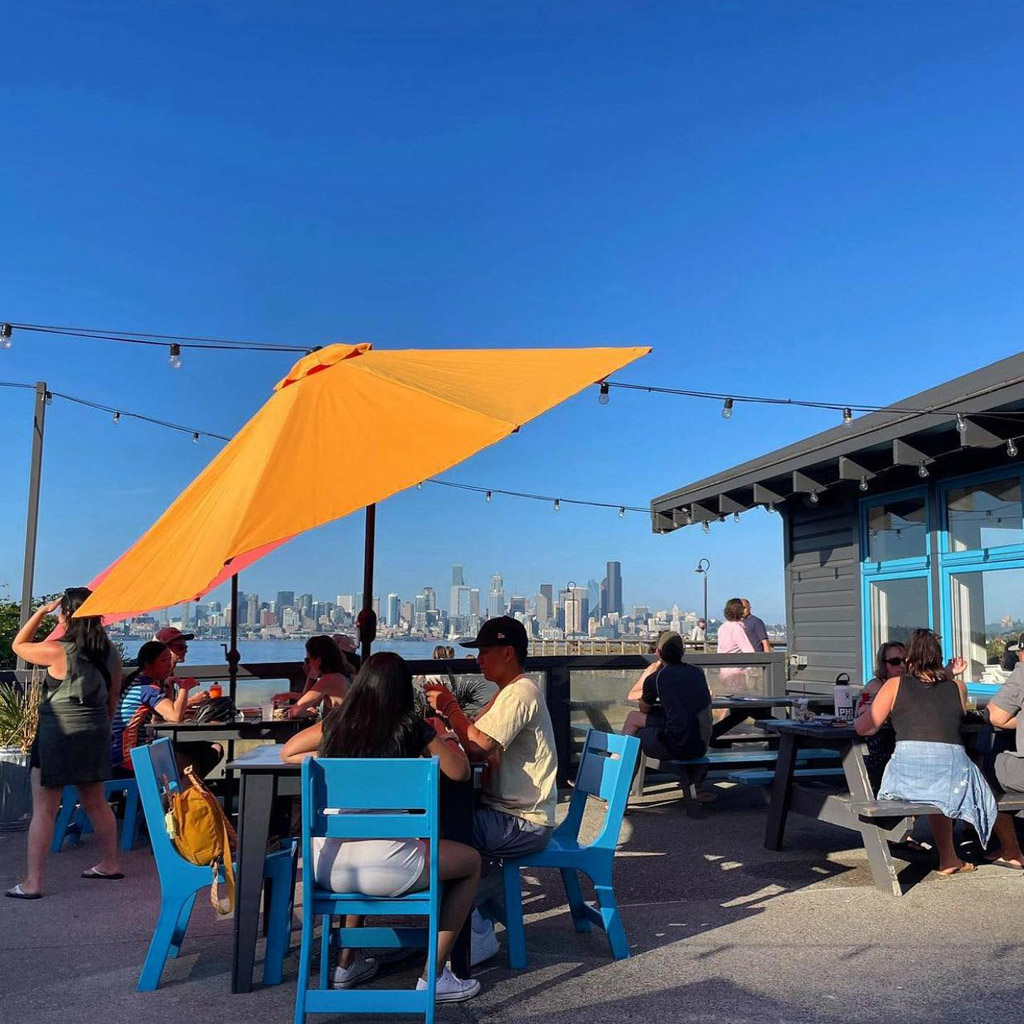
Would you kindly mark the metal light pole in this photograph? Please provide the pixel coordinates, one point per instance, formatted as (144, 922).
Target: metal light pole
(702, 567)
(32, 519)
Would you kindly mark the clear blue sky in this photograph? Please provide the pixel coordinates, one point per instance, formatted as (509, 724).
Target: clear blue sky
(821, 200)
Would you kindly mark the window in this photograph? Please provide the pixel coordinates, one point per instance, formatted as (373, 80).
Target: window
(986, 515)
(897, 607)
(986, 612)
(897, 529)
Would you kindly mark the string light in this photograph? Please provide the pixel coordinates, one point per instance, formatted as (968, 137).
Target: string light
(117, 417)
(5, 336)
(174, 359)
(735, 517)
(195, 437)
(922, 471)
(863, 485)
(622, 511)
(419, 486)
(1011, 448)
(489, 496)
(814, 498)
(706, 526)
(603, 395)
(558, 504)
(49, 398)
(727, 409)
(847, 417)
(961, 424)
(770, 507)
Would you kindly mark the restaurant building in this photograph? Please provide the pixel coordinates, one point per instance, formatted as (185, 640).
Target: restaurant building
(906, 517)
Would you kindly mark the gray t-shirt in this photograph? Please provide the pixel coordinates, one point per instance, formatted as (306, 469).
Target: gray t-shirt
(756, 631)
(1010, 698)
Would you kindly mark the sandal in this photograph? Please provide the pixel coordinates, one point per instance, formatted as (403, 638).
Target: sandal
(1004, 862)
(114, 876)
(17, 893)
(965, 869)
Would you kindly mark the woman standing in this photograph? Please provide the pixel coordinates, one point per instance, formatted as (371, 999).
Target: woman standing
(930, 764)
(72, 744)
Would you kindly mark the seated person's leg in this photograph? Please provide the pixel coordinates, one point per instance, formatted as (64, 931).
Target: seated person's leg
(634, 722)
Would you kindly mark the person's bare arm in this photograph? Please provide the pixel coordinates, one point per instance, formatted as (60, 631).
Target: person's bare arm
(454, 762)
(478, 745)
(999, 718)
(873, 717)
(47, 653)
(302, 744)
(174, 710)
(766, 646)
(638, 686)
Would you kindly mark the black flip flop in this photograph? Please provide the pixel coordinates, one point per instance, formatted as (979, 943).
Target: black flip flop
(93, 873)
(17, 894)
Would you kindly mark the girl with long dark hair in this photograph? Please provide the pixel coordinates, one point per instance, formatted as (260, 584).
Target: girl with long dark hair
(72, 742)
(378, 719)
(929, 763)
(328, 674)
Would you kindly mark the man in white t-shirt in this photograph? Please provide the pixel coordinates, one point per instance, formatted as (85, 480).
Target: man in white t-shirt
(514, 734)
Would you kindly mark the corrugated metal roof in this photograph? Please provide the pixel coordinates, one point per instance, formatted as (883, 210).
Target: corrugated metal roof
(900, 435)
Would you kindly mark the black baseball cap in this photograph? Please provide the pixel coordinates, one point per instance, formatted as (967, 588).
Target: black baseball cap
(498, 632)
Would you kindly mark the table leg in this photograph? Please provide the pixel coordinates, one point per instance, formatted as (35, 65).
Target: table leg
(876, 842)
(255, 801)
(732, 718)
(782, 789)
(457, 804)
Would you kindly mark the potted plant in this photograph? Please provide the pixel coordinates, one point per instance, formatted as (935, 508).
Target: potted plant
(19, 708)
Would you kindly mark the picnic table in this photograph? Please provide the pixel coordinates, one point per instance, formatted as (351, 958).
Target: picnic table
(878, 822)
(265, 777)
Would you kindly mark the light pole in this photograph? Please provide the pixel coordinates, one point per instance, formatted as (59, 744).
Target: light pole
(702, 567)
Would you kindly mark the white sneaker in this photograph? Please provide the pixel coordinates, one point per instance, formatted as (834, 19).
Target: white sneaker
(363, 968)
(451, 989)
(483, 943)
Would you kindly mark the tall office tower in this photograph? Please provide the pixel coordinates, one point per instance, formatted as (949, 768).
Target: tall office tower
(496, 597)
(406, 611)
(594, 596)
(543, 608)
(614, 577)
(458, 579)
(304, 604)
(346, 602)
(394, 610)
(517, 606)
(252, 611)
(285, 599)
(474, 602)
(603, 606)
(419, 612)
(430, 599)
(576, 603)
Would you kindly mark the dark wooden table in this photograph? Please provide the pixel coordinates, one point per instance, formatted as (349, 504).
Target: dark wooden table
(264, 776)
(826, 804)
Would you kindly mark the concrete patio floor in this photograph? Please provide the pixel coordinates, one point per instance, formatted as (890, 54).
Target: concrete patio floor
(720, 928)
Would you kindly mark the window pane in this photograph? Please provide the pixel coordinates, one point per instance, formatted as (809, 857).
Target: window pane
(985, 515)
(897, 530)
(898, 607)
(986, 615)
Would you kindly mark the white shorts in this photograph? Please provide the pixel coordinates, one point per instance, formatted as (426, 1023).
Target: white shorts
(373, 867)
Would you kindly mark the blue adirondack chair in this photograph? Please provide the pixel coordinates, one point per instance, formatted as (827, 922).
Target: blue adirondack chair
(72, 814)
(605, 771)
(399, 785)
(180, 881)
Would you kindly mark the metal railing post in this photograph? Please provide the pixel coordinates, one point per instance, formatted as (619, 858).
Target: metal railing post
(557, 692)
(32, 518)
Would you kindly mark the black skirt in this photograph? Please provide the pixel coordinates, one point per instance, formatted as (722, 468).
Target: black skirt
(72, 745)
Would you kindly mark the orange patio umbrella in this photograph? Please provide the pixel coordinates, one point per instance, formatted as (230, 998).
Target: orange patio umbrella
(406, 415)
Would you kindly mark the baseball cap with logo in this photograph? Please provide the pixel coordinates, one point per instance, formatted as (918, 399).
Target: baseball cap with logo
(498, 632)
(171, 634)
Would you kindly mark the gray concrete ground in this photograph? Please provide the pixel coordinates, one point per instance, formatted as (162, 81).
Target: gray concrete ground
(720, 929)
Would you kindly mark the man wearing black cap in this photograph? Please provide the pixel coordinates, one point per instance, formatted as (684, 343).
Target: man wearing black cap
(514, 733)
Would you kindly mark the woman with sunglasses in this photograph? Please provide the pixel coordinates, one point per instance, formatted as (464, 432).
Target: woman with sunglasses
(889, 662)
(328, 674)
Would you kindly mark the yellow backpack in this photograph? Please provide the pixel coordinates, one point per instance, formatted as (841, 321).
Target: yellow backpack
(202, 834)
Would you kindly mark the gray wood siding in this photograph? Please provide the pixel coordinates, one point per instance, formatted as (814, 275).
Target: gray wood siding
(823, 612)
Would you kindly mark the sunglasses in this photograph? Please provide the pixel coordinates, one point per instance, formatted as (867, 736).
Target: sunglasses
(894, 661)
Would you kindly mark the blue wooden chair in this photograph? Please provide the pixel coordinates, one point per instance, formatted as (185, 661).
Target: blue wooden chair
(72, 816)
(180, 881)
(605, 772)
(376, 785)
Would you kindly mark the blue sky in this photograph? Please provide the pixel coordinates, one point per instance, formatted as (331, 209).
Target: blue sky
(814, 200)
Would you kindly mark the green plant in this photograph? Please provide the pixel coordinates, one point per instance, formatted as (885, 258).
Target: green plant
(470, 693)
(10, 621)
(19, 711)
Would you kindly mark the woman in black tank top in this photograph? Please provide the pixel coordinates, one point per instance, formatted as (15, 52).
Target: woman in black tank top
(929, 764)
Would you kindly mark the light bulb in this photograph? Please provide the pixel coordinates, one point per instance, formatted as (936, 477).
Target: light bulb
(195, 437)
(117, 417)
(49, 398)
(488, 496)
(706, 526)
(174, 359)
(558, 504)
(735, 517)
(847, 417)
(814, 497)
(602, 395)
(727, 409)
(419, 486)
(922, 471)
(961, 423)
(622, 512)
(1011, 448)
(771, 506)
(5, 335)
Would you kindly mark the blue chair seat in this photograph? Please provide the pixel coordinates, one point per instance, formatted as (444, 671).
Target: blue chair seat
(180, 880)
(605, 772)
(72, 816)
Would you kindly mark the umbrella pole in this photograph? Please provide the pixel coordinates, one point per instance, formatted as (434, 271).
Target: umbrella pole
(367, 620)
(232, 655)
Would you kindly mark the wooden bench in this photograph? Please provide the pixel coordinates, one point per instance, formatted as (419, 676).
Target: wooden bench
(716, 764)
(879, 811)
(765, 777)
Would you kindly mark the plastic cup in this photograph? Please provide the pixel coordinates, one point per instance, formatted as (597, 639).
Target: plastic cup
(267, 711)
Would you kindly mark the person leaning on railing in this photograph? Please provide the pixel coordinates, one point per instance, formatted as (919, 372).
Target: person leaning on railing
(72, 740)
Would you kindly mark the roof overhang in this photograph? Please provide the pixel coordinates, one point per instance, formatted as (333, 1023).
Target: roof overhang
(916, 431)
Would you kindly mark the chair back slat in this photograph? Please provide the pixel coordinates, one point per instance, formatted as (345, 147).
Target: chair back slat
(373, 826)
(605, 771)
(155, 769)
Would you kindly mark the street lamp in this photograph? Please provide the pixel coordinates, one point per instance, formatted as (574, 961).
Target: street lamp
(702, 567)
